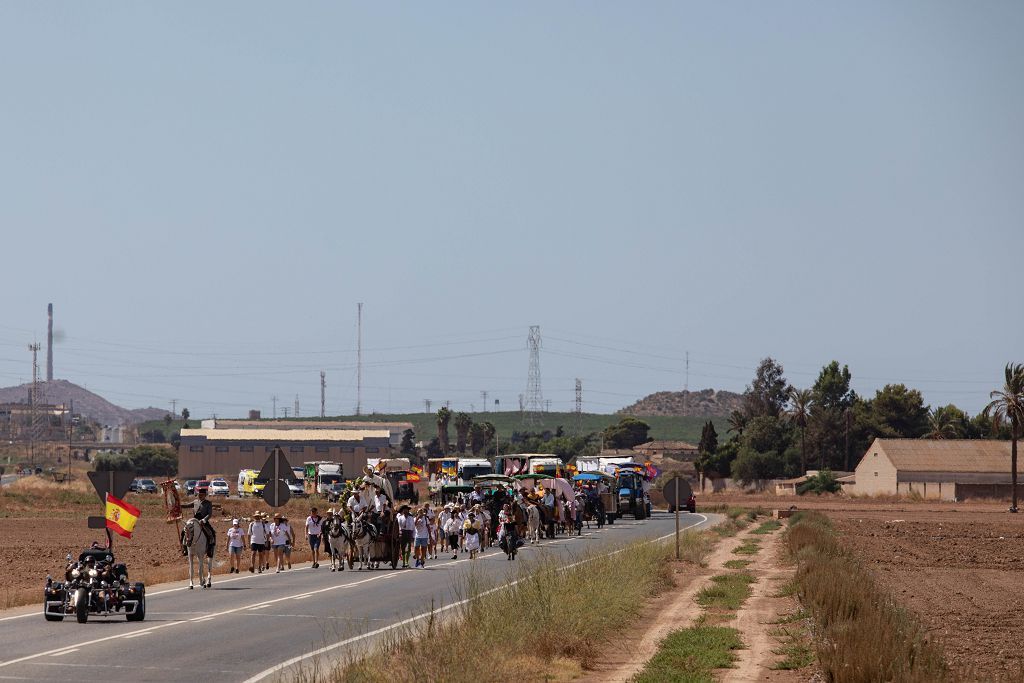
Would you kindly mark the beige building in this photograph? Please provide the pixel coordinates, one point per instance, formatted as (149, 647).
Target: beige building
(679, 450)
(935, 469)
(226, 451)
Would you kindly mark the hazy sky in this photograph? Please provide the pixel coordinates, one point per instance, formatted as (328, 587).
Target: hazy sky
(204, 191)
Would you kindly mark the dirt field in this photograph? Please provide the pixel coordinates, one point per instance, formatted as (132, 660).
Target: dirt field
(41, 528)
(959, 567)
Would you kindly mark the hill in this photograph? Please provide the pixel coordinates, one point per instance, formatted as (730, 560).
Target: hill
(703, 403)
(86, 403)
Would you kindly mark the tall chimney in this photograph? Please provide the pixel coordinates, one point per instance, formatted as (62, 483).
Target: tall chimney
(49, 343)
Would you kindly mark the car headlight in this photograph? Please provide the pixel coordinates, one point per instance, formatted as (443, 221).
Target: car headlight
(75, 573)
(93, 573)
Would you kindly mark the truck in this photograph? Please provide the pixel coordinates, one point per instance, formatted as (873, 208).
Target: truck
(633, 489)
(249, 484)
(320, 475)
(467, 468)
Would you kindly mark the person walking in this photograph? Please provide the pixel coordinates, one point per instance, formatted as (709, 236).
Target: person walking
(471, 530)
(257, 542)
(280, 535)
(236, 544)
(432, 529)
(452, 527)
(314, 532)
(407, 531)
(421, 528)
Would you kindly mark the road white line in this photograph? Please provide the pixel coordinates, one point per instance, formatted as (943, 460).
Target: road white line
(64, 652)
(404, 622)
(137, 635)
(176, 623)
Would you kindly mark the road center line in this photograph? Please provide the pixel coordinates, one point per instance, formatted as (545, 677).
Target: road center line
(404, 622)
(65, 650)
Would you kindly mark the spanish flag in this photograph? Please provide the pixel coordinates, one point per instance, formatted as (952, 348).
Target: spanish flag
(121, 516)
(412, 476)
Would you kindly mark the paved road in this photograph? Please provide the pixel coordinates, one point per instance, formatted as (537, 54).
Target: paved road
(248, 625)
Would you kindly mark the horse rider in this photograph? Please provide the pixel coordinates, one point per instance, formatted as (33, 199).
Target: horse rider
(203, 512)
(359, 504)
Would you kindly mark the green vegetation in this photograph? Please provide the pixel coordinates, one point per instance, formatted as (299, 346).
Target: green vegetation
(727, 591)
(556, 618)
(690, 655)
(782, 430)
(767, 527)
(822, 482)
(738, 564)
(750, 546)
(155, 461)
(861, 634)
(796, 650)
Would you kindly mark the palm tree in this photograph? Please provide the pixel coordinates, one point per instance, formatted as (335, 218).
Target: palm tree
(737, 422)
(940, 425)
(800, 402)
(463, 423)
(1008, 406)
(444, 416)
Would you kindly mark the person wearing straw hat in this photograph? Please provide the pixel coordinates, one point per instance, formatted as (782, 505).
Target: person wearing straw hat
(236, 544)
(257, 541)
(280, 538)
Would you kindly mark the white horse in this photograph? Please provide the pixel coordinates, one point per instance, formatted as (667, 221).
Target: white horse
(338, 544)
(197, 546)
(533, 523)
(359, 538)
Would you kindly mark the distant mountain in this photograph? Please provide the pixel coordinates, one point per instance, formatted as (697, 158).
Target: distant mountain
(704, 403)
(85, 402)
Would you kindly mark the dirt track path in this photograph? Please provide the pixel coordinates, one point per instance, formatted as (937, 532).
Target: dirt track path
(755, 618)
(679, 613)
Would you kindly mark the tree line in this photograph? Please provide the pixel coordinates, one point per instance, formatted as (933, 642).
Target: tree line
(782, 430)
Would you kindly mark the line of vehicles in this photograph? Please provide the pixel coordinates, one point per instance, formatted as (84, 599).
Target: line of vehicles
(624, 483)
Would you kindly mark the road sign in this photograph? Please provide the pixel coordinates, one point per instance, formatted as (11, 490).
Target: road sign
(677, 491)
(276, 493)
(115, 483)
(275, 470)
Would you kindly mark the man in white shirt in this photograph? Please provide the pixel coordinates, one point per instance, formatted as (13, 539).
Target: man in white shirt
(407, 531)
(281, 540)
(314, 532)
(258, 541)
(356, 504)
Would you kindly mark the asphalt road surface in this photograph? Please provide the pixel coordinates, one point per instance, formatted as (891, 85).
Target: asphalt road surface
(264, 627)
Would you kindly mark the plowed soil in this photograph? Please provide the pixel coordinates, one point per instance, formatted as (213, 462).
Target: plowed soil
(961, 572)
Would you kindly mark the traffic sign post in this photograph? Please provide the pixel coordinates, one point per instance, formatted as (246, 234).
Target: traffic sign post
(275, 491)
(676, 491)
(117, 485)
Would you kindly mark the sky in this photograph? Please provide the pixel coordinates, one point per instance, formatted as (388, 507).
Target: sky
(206, 191)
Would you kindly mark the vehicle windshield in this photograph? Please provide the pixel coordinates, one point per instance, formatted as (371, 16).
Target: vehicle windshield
(147, 482)
(470, 471)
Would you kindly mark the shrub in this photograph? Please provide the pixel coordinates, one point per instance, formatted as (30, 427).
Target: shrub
(822, 482)
(862, 635)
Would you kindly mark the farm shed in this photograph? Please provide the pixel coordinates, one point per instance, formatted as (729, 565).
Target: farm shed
(939, 469)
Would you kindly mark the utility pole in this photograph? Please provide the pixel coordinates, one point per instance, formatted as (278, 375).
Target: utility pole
(323, 393)
(534, 395)
(295, 412)
(273, 400)
(483, 395)
(426, 404)
(174, 408)
(547, 405)
(285, 409)
(686, 384)
(33, 401)
(579, 406)
(359, 358)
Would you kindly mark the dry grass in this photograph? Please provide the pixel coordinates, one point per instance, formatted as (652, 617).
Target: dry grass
(862, 634)
(556, 615)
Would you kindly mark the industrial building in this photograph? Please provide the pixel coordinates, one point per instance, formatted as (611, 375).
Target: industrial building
(940, 469)
(395, 429)
(226, 451)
